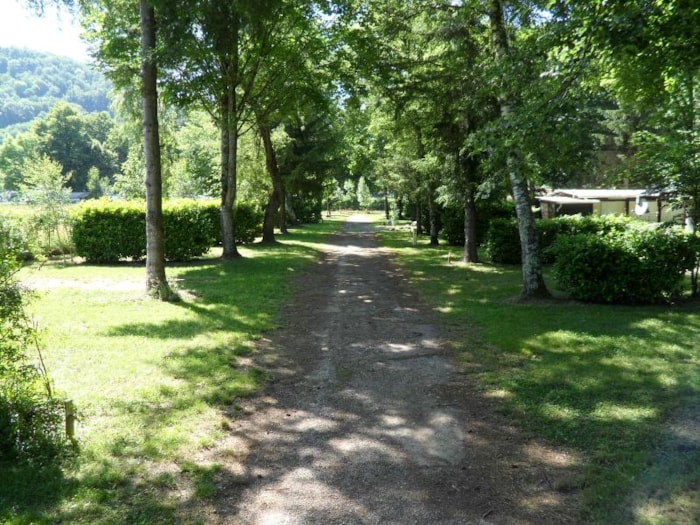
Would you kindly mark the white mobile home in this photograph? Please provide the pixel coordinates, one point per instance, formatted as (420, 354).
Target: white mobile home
(650, 206)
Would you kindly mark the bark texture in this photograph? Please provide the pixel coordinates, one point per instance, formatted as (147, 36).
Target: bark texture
(471, 254)
(275, 197)
(156, 282)
(229, 158)
(533, 281)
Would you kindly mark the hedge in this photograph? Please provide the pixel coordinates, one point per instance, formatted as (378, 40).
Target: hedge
(452, 218)
(107, 231)
(638, 266)
(502, 244)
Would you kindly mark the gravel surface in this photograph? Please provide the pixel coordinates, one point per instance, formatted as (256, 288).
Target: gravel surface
(366, 419)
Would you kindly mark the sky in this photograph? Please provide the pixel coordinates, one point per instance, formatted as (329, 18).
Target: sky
(54, 32)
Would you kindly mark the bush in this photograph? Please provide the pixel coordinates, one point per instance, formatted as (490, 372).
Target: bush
(17, 239)
(110, 231)
(191, 228)
(638, 266)
(30, 418)
(502, 243)
(549, 229)
(107, 231)
(308, 209)
(249, 222)
(452, 216)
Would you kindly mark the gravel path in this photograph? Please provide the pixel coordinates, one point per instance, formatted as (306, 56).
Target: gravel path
(367, 421)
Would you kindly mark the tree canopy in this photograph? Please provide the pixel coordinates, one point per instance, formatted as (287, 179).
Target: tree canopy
(437, 105)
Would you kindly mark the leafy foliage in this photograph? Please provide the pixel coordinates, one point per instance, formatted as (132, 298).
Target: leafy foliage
(249, 219)
(638, 266)
(45, 189)
(30, 418)
(502, 243)
(32, 82)
(109, 231)
(452, 218)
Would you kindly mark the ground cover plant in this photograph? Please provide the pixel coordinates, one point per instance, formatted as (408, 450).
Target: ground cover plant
(155, 383)
(606, 381)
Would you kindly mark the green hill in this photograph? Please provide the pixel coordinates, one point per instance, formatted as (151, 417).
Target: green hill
(32, 82)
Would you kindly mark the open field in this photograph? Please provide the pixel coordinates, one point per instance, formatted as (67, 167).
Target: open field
(620, 385)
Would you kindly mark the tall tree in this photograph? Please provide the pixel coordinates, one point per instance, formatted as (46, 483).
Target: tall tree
(156, 281)
(533, 280)
(216, 51)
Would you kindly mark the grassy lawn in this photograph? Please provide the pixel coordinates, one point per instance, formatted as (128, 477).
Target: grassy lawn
(603, 380)
(155, 383)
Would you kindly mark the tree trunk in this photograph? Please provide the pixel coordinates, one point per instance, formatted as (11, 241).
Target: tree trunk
(274, 199)
(156, 282)
(387, 211)
(229, 158)
(533, 281)
(433, 217)
(419, 217)
(289, 209)
(283, 210)
(471, 255)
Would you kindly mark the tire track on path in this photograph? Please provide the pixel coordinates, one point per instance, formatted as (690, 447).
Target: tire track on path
(367, 421)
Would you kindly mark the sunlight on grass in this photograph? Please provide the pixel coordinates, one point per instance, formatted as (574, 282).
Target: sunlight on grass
(602, 380)
(154, 382)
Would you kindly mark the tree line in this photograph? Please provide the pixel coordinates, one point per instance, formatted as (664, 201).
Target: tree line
(31, 83)
(436, 103)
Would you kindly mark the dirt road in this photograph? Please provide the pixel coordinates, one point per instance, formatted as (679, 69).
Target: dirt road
(368, 421)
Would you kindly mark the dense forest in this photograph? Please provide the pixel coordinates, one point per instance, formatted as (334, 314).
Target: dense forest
(32, 82)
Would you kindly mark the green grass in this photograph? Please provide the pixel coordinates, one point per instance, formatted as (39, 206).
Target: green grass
(156, 384)
(602, 380)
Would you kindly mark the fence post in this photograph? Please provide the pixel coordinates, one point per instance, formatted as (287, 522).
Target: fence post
(70, 419)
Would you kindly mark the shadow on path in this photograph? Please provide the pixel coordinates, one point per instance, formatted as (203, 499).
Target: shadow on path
(367, 421)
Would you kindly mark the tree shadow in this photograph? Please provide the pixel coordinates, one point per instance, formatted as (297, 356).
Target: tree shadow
(602, 380)
(365, 421)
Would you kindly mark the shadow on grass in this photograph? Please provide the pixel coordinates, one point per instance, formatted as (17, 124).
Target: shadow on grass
(365, 421)
(601, 379)
(28, 491)
(141, 474)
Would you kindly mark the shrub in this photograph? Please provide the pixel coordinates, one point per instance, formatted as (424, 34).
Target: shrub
(549, 229)
(30, 418)
(638, 266)
(16, 239)
(308, 209)
(191, 228)
(502, 243)
(453, 220)
(249, 222)
(109, 231)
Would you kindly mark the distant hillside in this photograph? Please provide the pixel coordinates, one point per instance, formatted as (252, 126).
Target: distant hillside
(32, 82)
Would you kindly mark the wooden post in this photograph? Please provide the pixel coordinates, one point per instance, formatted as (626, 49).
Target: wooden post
(70, 419)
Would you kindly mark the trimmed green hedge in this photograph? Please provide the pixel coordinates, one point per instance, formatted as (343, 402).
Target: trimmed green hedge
(608, 259)
(109, 231)
(638, 266)
(502, 244)
(452, 218)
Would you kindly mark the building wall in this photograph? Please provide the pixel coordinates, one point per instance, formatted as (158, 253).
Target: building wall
(619, 208)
